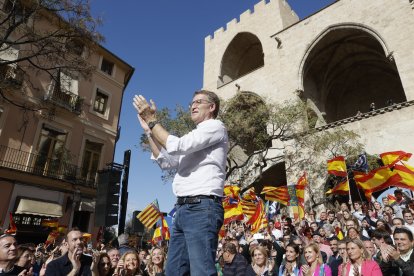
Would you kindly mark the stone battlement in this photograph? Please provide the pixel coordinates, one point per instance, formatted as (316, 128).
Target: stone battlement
(259, 9)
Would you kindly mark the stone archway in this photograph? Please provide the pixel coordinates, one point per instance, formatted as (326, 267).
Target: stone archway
(346, 70)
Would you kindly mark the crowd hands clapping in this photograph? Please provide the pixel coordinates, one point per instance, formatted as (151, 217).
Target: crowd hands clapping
(362, 239)
(358, 239)
(72, 255)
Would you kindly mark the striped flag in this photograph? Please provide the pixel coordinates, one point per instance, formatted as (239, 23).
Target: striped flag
(278, 194)
(258, 220)
(406, 173)
(391, 199)
(162, 232)
(337, 166)
(392, 157)
(341, 189)
(233, 210)
(149, 216)
(248, 203)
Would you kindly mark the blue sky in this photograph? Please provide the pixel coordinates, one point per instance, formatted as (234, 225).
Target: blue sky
(164, 41)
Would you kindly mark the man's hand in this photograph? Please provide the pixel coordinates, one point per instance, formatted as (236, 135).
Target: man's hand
(75, 260)
(147, 112)
(394, 253)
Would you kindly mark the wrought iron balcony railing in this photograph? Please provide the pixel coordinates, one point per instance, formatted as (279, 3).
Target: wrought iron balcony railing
(65, 99)
(38, 164)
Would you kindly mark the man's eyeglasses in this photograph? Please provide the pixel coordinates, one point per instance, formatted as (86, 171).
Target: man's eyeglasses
(198, 102)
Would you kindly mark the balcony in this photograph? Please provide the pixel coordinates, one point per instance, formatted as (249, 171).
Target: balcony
(65, 99)
(11, 76)
(41, 165)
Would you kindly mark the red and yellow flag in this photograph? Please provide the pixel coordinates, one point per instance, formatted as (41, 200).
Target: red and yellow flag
(391, 199)
(337, 166)
(300, 189)
(150, 214)
(392, 157)
(340, 189)
(162, 232)
(258, 220)
(406, 173)
(248, 203)
(279, 194)
(52, 223)
(376, 180)
(233, 210)
(12, 226)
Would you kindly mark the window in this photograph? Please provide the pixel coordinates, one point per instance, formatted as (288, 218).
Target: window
(91, 158)
(51, 152)
(101, 102)
(107, 66)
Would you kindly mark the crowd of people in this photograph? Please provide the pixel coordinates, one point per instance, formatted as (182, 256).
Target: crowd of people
(362, 239)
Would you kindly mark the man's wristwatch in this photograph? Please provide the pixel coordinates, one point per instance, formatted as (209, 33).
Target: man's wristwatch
(152, 124)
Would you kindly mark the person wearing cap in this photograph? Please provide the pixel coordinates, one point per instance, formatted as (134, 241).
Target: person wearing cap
(326, 250)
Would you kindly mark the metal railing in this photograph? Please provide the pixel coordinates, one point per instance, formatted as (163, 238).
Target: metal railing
(66, 99)
(39, 164)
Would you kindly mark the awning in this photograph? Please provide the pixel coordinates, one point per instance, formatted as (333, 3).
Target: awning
(39, 208)
(87, 205)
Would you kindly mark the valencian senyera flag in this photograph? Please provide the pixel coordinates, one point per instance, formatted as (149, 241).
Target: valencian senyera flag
(278, 194)
(150, 215)
(340, 189)
(337, 166)
(293, 200)
(392, 157)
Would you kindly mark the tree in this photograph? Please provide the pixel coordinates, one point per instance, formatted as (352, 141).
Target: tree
(263, 133)
(41, 38)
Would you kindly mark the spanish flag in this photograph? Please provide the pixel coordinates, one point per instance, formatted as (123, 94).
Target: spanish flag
(161, 233)
(376, 180)
(231, 204)
(52, 223)
(340, 189)
(278, 194)
(392, 157)
(337, 166)
(231, 191)
(406, 173)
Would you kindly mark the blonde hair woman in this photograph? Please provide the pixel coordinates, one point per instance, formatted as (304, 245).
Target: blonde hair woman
(260, 262)
(156, 262)
(359, 261)
(315, 265)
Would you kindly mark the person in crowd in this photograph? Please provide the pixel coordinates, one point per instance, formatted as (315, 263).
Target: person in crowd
(329, 231)
(370, 247)
(352, 233)
(358, 213)
(142, 254)
(74, 262)
(385, 201)
(114, 256)
(409, 220)
(292, 261)
(123, 244)
(128, 265)
(351, 223)
(359, 262)
(382, 224)
(410, 205)
(342, 250)
(322, 219)
(377, 210)
(307, 235)
(260, 265)
(8, 253)
(326, 251)
(234, 263)
(397, 223)
(399, 199)
(331, 217)
(200, 160)
(314, 265)
(381, 239)
(156, 263)
(335, 260)
(366, 228)
(402, 256)
(314, 226)
(25, 257)
(104, 265)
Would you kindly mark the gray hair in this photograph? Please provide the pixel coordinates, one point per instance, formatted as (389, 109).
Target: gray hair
(123, 239)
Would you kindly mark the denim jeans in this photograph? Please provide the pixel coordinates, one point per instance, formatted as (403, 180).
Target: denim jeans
(193, 243)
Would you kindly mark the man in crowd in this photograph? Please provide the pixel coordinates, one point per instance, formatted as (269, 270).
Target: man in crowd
(382, 239)
(358, 214)
(234, 263)
(8, 253)
(74, 262)
(114, 257)
(322, 219)
(200, 160)
(331, 217)
(409, 220)
(123, 244)
(335, 260)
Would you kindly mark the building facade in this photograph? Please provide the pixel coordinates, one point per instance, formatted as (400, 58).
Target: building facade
(54, 141)
(351, 63)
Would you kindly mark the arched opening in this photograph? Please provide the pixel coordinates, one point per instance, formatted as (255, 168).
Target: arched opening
(243, 55)
(346, 71)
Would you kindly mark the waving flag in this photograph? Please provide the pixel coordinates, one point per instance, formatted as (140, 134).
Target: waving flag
(150, 214)
(248, 203)
(278, 194)
(162, 232)
(406, 173)
(391, 199)
(233, 210)
(258, 220)
(376, 180)
(341, 189)
(337, 166)
(361, 164)
(392, 157)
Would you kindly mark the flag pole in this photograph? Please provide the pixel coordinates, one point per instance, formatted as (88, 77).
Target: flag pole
(349, 188)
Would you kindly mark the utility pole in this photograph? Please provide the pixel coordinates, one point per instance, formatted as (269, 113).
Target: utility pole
(124, 193)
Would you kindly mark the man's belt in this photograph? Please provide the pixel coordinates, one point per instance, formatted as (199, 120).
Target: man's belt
(196, 199)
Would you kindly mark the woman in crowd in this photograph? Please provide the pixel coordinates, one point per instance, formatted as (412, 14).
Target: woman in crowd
(260, 263)
(359, 261)
(292, 265)
(25, 257)
(104, 265)
(382, 224)
(156, 263)
(315, 265)
(352, 233)
(128, 265)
